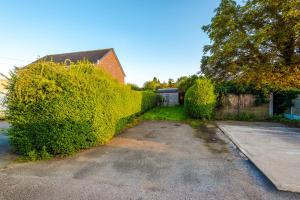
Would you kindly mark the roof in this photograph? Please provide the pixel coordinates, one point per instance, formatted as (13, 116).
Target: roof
(167, 90)
(92, 56)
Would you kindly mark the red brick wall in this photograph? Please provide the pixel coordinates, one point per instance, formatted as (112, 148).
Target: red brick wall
(111, 65)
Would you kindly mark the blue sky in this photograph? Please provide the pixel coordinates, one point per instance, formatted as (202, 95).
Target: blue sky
(161, 38)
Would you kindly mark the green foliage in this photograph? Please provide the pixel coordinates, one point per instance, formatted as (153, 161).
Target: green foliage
(57, 110)
(282, 119)
(243, 116)
(44, 154)
(2, 115)
(185, 83)
(231, 87)
(159, 99)
(156, 84)
(256, 43)
(175, 113)
(148, 101)
(152, 85)
(134, 86)
(31, 155)
(171, 83)
(200, 99)
(283, 100)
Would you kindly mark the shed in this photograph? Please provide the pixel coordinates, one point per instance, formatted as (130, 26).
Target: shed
(170, 96)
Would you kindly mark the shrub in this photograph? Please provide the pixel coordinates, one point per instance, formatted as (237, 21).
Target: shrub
(57, 110)
(243, 116)
(200, 99)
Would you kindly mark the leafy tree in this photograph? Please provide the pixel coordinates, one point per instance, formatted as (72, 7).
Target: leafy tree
(180, 79)
(185, 83)
(150, 85)
(171, 83)
(156, 84)
(156, 80)
(255, 43)
(164, 85)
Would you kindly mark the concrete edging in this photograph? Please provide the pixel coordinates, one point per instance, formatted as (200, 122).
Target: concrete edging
(283, 187)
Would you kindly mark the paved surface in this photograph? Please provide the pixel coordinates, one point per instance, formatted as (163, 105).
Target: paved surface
(272, 147)
(154, 160)
(5, 155)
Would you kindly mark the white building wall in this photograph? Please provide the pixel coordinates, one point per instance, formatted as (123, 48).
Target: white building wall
(170, 99)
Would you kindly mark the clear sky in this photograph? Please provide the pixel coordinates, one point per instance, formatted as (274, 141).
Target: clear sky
(161, 38)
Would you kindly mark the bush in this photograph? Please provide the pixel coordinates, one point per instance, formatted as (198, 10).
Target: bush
(57, 110)
(243, 116)
(200, 99)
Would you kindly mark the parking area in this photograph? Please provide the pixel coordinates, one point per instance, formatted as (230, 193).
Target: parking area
(274, 148)
(154, 160)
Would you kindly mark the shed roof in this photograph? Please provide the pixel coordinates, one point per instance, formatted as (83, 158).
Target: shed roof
(167, 90)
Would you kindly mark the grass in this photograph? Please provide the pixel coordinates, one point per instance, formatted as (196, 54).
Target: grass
(206, 130)
(175, 113)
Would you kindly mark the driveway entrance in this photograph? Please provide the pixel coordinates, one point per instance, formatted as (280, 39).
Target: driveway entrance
(272, 147)
(154, 160)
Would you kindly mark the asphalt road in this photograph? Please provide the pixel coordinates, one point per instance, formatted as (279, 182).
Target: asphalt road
(154, 160)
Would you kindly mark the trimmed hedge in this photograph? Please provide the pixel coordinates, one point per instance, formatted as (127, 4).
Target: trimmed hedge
(58, 110)
(200, 99)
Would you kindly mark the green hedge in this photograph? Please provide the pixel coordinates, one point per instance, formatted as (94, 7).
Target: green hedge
(57, 110)
(200, 99)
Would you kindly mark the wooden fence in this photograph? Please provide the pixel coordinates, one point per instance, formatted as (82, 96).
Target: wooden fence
(235, 105)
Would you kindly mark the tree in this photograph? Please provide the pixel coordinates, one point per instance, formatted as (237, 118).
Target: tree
(156, 84)
(180, 79)
(171, 83)
(255, 43)
(156, 80)
(185, 83)
(150, 85)
(164, 85)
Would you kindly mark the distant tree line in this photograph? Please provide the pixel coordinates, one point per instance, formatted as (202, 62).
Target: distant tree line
(182, 83)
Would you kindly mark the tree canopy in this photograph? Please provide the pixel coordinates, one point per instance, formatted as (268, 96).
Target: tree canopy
(156, 84)
(257, 43)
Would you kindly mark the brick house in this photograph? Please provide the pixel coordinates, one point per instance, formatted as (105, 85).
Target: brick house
(103, 58)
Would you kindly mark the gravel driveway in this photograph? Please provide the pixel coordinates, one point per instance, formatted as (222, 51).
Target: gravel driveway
(154, 160)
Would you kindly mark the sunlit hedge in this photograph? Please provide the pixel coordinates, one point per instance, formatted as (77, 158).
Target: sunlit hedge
(200, 99)
(57, 110)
